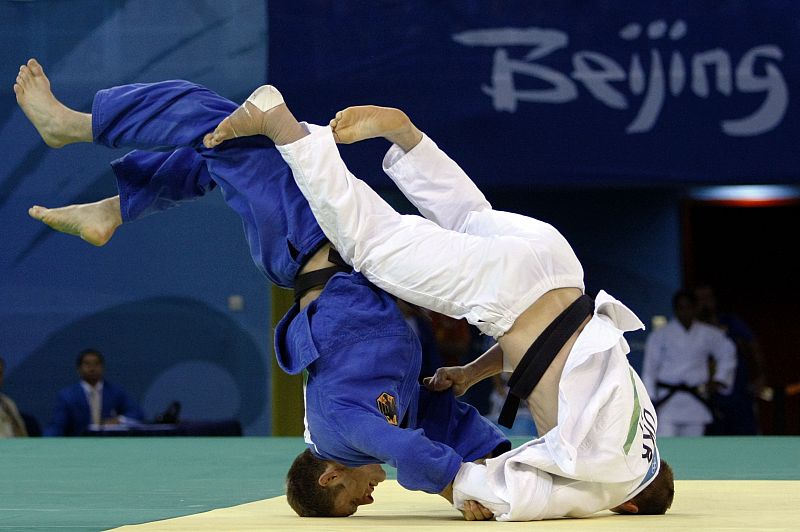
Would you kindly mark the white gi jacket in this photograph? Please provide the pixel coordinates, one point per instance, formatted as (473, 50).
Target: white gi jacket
(675, 355)
(602, 451)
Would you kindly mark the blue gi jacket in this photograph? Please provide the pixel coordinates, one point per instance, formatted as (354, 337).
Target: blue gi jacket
(357, 348)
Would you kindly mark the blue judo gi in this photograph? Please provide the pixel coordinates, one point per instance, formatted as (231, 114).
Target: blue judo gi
(363, 402)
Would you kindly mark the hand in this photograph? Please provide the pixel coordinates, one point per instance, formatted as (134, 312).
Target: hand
(475, 511)
(456, 377)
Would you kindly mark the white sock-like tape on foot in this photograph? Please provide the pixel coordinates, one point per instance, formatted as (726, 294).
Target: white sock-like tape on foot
(265, 98)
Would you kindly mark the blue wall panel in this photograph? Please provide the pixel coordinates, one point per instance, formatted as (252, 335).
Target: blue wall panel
(155, 299)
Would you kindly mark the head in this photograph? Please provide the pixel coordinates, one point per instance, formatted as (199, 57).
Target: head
(91, 366)
(706, 302)
(684, 306)
(655, 499)
(324, 488)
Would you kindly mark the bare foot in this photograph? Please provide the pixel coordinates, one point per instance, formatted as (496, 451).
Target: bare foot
(57, 124)
(263, 113)
(370, 121)
(93, 222)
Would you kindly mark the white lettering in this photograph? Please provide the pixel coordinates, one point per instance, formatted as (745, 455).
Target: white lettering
(605, 79)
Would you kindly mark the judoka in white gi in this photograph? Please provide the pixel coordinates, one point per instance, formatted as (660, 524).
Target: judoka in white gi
(676, 369)
(509, 275)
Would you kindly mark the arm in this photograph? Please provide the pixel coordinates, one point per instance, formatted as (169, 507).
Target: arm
(10, 408)
(58, 423)
(422, 464)
(724, 352)
(460, 378)
(125, 406)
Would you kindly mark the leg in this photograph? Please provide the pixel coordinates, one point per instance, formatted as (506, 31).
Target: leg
(363, 122)
(93, 222)
(254, 179)
(57, 124)
(431, 181)
(263, 113)
(409, 256)
(148, 183)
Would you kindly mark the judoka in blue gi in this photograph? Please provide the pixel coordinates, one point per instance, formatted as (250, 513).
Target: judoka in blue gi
(363, 403)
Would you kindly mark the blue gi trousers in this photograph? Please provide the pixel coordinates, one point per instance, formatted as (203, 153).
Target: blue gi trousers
(255, 181)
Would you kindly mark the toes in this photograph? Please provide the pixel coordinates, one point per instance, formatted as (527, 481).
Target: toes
(35, 67)
(17, 89)
(208, 140)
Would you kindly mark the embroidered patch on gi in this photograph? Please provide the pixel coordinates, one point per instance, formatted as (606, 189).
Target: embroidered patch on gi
(388, 407)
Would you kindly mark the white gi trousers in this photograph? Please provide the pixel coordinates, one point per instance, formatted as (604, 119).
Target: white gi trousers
(463, 259)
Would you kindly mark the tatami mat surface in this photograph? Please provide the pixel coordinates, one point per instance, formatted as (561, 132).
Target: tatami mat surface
(699, 505)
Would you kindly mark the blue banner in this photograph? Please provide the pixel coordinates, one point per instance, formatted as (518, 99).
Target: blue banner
(559, 92)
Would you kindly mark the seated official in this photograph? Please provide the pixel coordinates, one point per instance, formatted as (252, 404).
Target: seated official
(92, 401)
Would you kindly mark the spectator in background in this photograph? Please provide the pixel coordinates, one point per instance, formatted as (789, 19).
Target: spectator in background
(11, 423)
(677, 369)
(92, 401)
(737, 411)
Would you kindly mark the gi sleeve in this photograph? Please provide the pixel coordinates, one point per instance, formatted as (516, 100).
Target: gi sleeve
(724, 352)
(421, 464)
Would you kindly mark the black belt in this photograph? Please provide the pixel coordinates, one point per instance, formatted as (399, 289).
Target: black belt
(694, 391)
(306, 281)
(540, 355)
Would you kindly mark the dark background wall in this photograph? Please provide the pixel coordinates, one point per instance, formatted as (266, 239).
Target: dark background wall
(609, 157)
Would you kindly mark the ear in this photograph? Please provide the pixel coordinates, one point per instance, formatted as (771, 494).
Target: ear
(331, 473)
(630, 507)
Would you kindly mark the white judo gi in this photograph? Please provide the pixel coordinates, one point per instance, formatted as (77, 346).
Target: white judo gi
(676, 355)
(466, 260)
(602, 451)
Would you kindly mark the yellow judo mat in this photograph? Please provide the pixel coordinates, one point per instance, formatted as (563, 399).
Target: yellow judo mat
(698, 505)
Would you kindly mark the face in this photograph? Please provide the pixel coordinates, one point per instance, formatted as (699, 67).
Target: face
(91, 369)
(358, 482)
(685, 310)
(706, 302)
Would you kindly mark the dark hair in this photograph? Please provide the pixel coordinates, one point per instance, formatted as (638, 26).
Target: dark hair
(90, 351)
(657, 497)
(303, 491)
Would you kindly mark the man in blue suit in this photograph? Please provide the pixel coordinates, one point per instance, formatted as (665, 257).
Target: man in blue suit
(92, 401)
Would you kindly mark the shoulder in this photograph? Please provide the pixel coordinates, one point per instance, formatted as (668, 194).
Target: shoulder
(708, 330)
